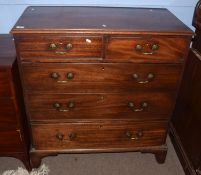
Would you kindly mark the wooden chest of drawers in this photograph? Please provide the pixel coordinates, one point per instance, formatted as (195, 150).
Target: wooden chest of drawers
(14, 140)
(99, 79)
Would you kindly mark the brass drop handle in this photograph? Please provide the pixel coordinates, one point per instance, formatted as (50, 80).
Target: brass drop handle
(72, 136)
(141, 48)
(139, 134)
(60, 136)
(131, 105)
(149, 78)
(56, 76)
(58, 106)
(70, 75)
(69, 46)
(53, 46)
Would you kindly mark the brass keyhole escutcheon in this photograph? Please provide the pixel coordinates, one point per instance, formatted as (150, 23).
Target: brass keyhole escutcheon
(101, 99)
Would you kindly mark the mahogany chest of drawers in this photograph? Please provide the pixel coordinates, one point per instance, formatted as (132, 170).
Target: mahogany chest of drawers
(99, 79)
(13, 139)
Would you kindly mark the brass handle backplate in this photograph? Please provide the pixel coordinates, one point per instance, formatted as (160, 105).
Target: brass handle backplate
(59, 107)
(147, 48)
(69, 46)
(55, 75)
(143, 106)
(134, 136)
(69, 75)
(150, 77)
(72, 136)
(53, 46)
(60, 136)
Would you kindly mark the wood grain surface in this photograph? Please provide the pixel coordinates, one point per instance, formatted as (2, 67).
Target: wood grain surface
(100, 106)
(99, 19)
(98, 135)
(120, 57)
(170, 49)
(100, 78)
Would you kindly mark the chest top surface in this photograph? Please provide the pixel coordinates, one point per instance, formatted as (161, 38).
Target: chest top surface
(7, 50)
(99, 19)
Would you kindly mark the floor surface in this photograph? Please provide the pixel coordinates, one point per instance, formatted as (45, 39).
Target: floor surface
(105, 164)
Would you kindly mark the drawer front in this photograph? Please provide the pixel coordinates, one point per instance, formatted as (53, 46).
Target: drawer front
(90, 78)
(140, 49)
(4, 83)
(10, 141)
(57, 48)
(98, 136)
(139, 106)
(7, 115)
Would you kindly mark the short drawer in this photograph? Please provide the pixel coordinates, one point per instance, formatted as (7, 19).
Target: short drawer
(88, 78)
(136, 106)
(49, 48)
(10, 141)
(98, 136)
(144, 49)
(5, 77)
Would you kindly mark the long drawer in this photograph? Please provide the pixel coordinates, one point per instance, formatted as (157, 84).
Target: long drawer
(98, 135)
(139, 106)
(89, 78)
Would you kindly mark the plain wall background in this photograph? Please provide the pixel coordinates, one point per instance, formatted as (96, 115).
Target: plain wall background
(10, 10)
